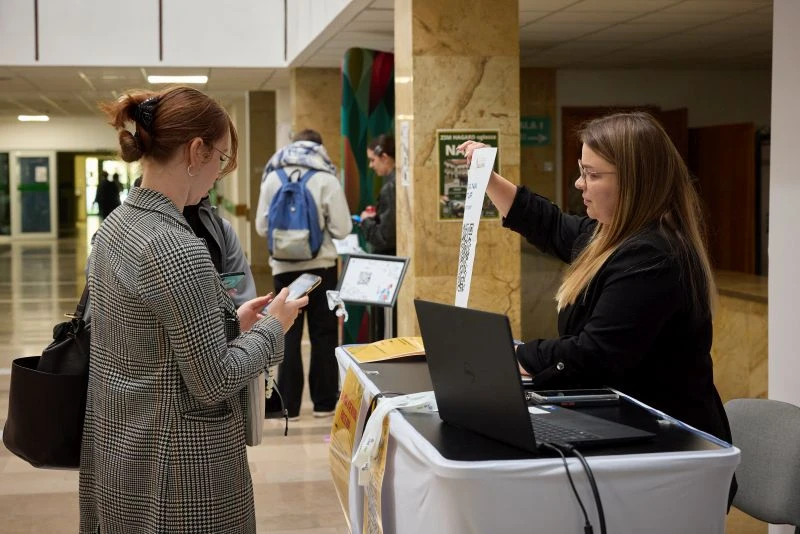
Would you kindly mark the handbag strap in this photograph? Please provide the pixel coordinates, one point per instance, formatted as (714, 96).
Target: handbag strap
(81, 304)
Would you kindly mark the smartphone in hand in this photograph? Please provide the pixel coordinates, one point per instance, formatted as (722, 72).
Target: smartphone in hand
(303, 285)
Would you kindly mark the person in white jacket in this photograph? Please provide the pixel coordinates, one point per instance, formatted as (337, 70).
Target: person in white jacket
(303, 153)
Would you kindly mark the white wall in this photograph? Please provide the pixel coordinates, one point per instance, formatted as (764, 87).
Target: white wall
(207, 33)
(242, 33)
(784, 198)
(98, 32)
(306, 19)
(60, 134)
(17, 42)
(713, 97)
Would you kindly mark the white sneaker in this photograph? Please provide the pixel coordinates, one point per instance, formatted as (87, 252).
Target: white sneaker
(324, 414)
(295, 418)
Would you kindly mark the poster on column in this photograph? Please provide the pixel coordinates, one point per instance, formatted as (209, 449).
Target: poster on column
(453, 172)
(343, 433)
(479, 172)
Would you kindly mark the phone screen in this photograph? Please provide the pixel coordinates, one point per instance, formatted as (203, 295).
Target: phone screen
(231, 280)
(573, 397)
(575, 392)
(303, 285)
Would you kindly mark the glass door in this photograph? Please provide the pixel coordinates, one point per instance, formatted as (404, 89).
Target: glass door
(34, 183)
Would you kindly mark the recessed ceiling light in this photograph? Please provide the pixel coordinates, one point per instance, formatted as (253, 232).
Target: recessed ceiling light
(177, 79)
(33, 118)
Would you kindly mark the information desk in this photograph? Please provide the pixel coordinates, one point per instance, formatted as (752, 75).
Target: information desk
(443, 479)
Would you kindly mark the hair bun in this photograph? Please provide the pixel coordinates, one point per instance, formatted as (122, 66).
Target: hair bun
(129, 146)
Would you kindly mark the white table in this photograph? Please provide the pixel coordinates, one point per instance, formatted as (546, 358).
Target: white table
(423, 492)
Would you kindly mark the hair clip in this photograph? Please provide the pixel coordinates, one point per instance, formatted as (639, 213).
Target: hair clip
(144, 112)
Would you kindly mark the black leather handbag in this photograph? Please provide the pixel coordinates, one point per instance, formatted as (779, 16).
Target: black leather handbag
(47, 397)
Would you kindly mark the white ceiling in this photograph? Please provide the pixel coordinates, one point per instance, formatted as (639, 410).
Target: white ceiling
(580, 34)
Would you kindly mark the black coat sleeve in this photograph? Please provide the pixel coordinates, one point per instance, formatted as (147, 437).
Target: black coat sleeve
(379, 231)
(545, 226)
(626, 306)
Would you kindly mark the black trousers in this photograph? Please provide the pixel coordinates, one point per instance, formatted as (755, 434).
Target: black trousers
(323, 331)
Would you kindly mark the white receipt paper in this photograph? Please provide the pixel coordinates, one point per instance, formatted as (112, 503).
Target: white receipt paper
(477, 179)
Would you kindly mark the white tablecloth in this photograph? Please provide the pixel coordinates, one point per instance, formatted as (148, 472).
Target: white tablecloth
(670, 493)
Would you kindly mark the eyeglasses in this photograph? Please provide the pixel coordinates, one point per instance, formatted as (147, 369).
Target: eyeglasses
(223, 158)
(585, 173)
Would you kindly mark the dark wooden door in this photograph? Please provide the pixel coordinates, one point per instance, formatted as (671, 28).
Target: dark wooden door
(723, 160)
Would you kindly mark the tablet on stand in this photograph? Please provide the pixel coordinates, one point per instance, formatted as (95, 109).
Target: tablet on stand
(373, 280)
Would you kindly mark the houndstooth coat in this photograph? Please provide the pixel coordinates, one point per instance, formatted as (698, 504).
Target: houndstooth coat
(163, 442)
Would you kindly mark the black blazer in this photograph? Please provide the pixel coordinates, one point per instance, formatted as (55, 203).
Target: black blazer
(635, 328)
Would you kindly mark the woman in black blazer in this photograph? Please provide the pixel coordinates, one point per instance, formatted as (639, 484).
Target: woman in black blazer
(635, 305)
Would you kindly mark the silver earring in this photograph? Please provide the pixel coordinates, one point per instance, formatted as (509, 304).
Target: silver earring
(189, 171)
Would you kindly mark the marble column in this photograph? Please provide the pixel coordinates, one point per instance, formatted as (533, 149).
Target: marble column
(456, 67)
(316, 101)
(261, 144)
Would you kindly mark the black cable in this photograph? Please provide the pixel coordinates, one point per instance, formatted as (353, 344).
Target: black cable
(587, 527)
(592, 482)
(600, 513)
(284, 411)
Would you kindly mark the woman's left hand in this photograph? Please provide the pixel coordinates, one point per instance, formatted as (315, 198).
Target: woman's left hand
(251, 311)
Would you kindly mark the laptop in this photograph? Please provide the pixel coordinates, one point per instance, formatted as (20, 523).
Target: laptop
(476, 382)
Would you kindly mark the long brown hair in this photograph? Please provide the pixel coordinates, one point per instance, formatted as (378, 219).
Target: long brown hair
(164, 121)
(654, 186)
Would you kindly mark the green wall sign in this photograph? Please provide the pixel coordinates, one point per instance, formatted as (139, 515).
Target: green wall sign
(535, 131)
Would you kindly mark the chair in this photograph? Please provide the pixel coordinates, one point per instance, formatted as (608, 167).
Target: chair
(768, 434)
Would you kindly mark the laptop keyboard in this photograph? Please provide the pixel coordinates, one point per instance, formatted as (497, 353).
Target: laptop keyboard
(548, 432)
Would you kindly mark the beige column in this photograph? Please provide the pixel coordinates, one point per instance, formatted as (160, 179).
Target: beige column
(261, 145)
(316, 100)
(456, 67)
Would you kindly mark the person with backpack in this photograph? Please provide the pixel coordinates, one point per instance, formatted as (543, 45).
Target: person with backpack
(301, 209)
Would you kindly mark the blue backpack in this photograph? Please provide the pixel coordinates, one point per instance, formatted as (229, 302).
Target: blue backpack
(293, 232)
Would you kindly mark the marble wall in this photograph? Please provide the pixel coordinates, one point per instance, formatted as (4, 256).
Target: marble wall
(740, 336)
(316, 101)
(455, 68)
(261, 146)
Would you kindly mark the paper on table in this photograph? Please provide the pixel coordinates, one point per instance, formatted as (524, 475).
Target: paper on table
(480, 170)
(387, 349)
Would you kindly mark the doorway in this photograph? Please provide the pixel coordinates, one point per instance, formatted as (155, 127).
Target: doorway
(28, 207)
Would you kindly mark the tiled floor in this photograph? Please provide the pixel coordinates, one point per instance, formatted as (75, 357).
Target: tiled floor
(39, 282)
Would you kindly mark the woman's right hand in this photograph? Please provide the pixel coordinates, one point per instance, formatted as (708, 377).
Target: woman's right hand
(468, 147)
(286, 312)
